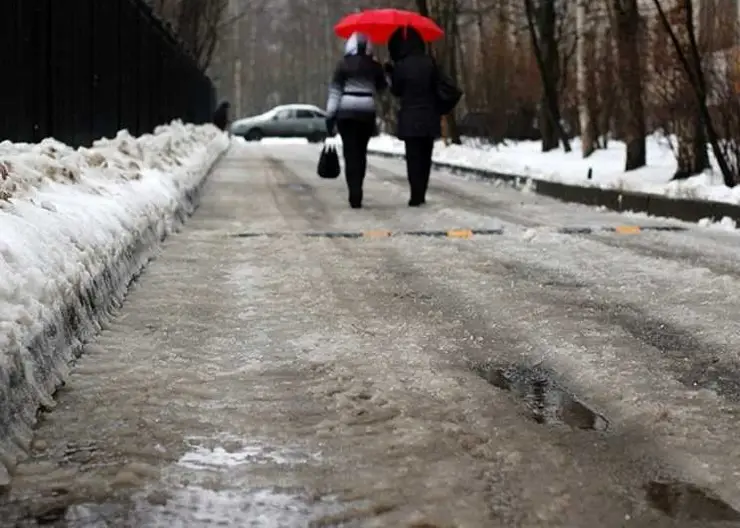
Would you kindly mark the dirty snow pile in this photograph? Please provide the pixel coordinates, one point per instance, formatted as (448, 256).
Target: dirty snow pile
(68, 217)
(526, 158)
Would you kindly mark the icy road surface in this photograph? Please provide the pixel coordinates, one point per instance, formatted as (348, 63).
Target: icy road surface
(524, 377)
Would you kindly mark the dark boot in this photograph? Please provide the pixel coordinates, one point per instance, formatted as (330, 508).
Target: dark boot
(355, 200)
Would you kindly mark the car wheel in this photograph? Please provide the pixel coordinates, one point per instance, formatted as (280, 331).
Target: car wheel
(318, 137)
(254, 135)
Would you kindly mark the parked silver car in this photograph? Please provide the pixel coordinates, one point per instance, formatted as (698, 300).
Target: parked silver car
(292, 120)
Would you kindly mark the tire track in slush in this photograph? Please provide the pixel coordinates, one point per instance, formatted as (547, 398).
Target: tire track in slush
(421, 301)
(706, 371)
(535, 386)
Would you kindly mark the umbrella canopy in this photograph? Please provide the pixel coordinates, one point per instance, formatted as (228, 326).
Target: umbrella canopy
(379, 24)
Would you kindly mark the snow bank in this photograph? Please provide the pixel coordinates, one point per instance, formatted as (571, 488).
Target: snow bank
(526, 159)
(76, 226)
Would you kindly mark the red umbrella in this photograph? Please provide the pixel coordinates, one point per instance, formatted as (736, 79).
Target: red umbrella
(379, 24)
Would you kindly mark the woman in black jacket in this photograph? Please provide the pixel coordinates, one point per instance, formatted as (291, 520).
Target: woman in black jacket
(357, 79)
(413, 78)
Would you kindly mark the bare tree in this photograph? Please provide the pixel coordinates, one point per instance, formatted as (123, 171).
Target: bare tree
(541, 22)
(674, 107)
(626, 19)
(198, 24)
(691, 61)
(423, 7)
(584, 78)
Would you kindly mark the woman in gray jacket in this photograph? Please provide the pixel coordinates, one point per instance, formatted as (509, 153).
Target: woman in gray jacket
(357, 79)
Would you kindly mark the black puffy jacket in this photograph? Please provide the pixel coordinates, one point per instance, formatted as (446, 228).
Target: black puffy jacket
(413, 82)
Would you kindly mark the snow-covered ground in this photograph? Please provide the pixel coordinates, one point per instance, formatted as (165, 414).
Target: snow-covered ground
(71, 222)
(526, 159)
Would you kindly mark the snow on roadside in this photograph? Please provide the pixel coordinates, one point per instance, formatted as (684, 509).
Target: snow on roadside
(67, 216)
(526, 159)
(284, 141)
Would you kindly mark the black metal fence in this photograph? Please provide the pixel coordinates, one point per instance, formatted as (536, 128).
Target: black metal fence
(78, 70)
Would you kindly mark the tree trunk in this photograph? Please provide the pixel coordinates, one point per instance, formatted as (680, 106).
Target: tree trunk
(605, 78)
(542, 29)
(482, 43)
(627, 29)
(549, 109)
(692, 65)
(692, 156)
(549, 135)
(451, 45)
(423, 7)
(585, 119)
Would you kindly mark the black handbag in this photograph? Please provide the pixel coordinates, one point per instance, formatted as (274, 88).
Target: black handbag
(328, 167)
(447, 94)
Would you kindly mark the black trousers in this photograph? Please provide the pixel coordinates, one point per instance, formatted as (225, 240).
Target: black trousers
(356, 134)
(419, 166)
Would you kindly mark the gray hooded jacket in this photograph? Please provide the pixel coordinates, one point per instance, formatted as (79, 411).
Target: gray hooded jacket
(357, 79)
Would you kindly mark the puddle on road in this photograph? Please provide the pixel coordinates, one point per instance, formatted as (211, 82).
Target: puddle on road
(218, 481)
(232, 499)
(547, 402)
(197, 507)
(203, 458)
(685, 501)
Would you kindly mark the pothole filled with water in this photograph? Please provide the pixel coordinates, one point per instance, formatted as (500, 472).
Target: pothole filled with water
(546, 401)
(685, 501)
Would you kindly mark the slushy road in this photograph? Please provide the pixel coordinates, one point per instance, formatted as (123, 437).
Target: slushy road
(286, 362)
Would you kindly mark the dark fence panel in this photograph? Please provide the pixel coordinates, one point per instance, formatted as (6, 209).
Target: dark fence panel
(106, 65)
(78, 70)
(128, 90)
(9, 91)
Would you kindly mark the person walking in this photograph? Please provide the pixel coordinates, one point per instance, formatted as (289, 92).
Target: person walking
(221, 116)
(357, 79)
(413, 74)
